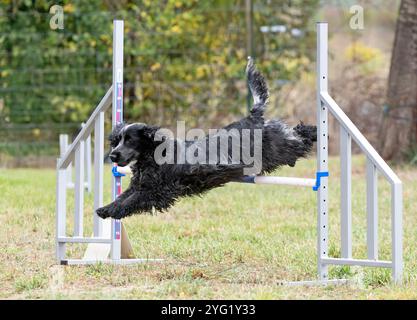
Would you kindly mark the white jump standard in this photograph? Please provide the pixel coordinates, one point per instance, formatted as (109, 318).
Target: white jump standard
(374, 162)
(63, 147)
(109, 236)
(112, 237)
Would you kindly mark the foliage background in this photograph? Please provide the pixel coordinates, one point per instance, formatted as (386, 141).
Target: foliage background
(184, 60)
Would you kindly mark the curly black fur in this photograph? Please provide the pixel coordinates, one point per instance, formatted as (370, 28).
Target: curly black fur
(159, 186)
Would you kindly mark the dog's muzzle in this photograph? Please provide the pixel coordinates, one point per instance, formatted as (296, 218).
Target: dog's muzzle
(115, 156)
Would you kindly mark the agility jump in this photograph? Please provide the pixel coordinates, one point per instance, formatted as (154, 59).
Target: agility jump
(109, 243)
(63, 147)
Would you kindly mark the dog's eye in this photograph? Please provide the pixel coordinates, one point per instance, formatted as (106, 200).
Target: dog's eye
(127, 138)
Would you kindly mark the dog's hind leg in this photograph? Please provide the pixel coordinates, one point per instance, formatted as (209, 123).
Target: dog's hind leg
(282, 145)
(301, 147)
(306, 132)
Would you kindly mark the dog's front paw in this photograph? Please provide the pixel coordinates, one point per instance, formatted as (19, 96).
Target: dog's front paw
(122, 213)
(112, 210)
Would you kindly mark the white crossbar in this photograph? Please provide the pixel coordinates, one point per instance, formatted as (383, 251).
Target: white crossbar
(291, 181)
(357, 262)
(83, 240)
(301, 182)
(314, 283)
(124, 170)
(109, 261)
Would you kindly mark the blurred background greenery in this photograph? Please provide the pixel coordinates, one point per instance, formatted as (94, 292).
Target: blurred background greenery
(184, 60)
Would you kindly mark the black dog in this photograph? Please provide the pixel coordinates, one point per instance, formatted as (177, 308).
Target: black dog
(159, 185)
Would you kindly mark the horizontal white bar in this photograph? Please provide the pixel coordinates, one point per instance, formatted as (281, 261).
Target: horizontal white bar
(84, 240)
(359, 138)
(357, 262)
(124, 170)
(70, 185)
(259, 179)
(104, 104)
(109, 261)
(285, 180)
(311, 283)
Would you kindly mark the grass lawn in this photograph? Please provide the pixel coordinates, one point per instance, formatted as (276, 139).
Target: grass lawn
(236, 242)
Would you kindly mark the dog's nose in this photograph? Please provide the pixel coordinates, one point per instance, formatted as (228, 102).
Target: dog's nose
(114, 156)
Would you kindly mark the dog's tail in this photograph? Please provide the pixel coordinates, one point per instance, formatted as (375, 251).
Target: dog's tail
(258, 88)
(306, 132)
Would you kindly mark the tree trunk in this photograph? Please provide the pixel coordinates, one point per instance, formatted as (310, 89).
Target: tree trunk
(399, 127)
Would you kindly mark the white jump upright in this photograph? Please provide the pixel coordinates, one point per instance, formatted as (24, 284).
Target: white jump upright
(375, 164)
(63, 147)
(322, 156)
(117, 117)
(109, 242)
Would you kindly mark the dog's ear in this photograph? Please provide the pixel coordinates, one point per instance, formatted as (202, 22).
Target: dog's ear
(147, 131)
(115, 135)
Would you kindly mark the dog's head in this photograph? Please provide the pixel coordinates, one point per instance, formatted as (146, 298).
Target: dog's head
(131, 141)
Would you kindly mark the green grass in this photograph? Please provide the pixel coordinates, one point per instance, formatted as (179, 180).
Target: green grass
(235, 242)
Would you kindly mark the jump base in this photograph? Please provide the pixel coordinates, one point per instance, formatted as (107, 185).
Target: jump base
(70, 262)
